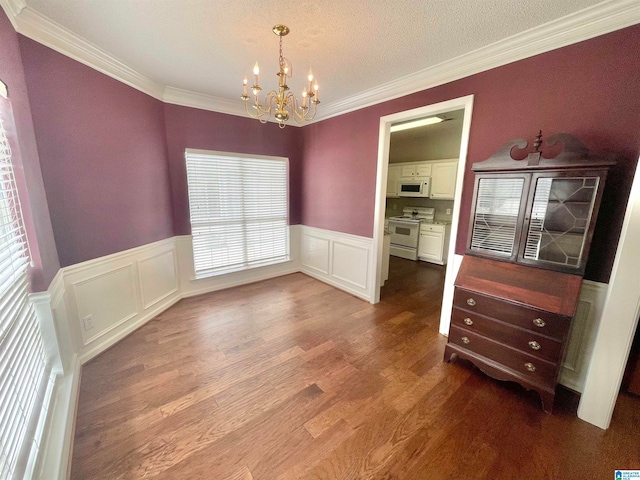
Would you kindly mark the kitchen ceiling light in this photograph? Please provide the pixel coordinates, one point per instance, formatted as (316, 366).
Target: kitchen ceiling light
(416, 123)
(283, 105)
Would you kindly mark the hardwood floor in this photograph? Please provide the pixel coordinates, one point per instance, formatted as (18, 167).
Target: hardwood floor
(292, 379)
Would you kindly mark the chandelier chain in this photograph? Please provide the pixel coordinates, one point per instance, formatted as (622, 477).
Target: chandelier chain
(281, 55)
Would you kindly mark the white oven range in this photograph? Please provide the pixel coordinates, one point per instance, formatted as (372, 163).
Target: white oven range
(405, 230)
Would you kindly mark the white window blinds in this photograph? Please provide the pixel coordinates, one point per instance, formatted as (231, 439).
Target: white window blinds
(23, 369)
(238, 208)
(496, 218)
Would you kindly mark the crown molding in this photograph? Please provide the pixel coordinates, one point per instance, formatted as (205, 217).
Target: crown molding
(591, 22)
(13, 8)
(42, 29)
(187, 98)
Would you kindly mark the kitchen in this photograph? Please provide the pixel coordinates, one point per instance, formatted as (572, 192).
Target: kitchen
(423, 162)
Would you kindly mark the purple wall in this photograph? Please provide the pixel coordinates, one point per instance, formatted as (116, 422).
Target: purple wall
(103, 156)
(193, 128)
(112, 157)
(591, 90)
(26, 162)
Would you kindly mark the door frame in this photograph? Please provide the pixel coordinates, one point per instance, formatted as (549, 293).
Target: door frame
(465, 103)
(618, 322)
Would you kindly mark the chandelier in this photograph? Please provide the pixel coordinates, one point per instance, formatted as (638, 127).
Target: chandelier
(281, 103)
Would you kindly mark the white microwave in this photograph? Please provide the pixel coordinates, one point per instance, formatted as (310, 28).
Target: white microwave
(414, 186)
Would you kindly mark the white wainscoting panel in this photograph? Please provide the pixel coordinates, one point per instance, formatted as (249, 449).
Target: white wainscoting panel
(339, 259)
(350, 263)
(158, 277)
(315, 253)
(42, 305)
(583, 334)
(107, 300)
(120, 292)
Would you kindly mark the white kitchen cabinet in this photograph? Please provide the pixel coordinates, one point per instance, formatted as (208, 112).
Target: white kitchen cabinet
(434, 243)
(443, 180)
(393, 175)
(442, 173)
(423, 170)
(407, 170)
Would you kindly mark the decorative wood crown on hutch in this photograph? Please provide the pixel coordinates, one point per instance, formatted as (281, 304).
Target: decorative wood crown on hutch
(541, 210)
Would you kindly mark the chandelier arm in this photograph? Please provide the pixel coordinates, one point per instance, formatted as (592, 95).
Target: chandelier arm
(266, 108)
(302, 115)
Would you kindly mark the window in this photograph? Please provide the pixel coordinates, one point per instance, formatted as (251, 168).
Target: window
(24, 372)
(238, 206)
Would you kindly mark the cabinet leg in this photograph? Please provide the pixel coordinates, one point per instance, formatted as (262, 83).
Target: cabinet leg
(547, 401)
(449, 355)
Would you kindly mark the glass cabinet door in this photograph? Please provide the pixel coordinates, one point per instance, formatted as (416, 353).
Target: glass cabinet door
(498, 215)
(558, 223)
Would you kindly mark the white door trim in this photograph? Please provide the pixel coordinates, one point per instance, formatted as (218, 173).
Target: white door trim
(381, 193)
(619, 321)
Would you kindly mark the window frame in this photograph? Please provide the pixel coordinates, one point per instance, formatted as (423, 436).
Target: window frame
(246, 266)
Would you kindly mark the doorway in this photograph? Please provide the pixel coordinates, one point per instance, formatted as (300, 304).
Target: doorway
(465, 105)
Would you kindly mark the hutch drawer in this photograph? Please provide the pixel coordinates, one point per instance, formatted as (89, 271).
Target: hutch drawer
(532, 343)
(534, 370)
(538, 321)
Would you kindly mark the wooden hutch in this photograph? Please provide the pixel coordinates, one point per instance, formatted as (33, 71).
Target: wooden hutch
(531, 226)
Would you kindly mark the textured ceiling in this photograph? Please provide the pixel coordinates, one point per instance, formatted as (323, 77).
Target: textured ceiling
(207, 46)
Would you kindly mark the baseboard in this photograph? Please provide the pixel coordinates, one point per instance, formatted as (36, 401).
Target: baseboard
(329, 281)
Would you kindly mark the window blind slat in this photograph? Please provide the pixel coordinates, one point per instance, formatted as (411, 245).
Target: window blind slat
(238, 211)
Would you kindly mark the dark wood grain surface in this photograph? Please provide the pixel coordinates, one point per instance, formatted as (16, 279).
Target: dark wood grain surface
(547, 290)
(293, 379)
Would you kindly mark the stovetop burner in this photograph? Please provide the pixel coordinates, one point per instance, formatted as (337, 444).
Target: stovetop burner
(416, 215)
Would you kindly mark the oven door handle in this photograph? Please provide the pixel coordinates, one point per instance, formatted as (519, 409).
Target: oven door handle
(403, 223)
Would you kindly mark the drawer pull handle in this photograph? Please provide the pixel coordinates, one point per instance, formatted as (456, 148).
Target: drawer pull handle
(538, 322)
(471, 302)
(465, 340)
(468, 321)
(530, 366)
(534, 345)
